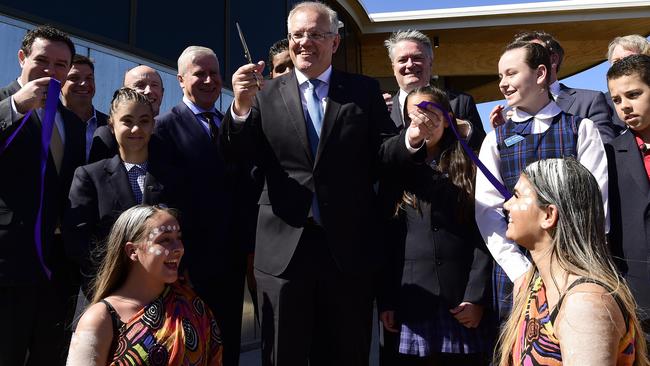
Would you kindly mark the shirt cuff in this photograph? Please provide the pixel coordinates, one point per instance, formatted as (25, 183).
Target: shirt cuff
(15, 115)
(410, 148)
(236, 118)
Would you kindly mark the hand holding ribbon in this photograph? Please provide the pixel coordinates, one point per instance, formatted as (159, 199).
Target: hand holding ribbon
(493, 180)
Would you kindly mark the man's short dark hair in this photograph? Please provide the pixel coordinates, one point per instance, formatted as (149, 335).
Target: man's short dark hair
(83, 60)
(277, 48)
(551, 44)
(630, 65)
(45, 32)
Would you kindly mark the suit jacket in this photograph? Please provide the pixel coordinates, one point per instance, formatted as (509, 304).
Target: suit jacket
(102, 119)
(100, 192)
(104, 145)
(463, 107)
(20, 191)
(617, 125)
(444, 261)
(207, 193)
(354, 144)
(629, 200)
(588, 104)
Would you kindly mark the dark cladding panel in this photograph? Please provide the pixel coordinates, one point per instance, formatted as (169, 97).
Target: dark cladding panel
(165, 32)
(106, 19)
(263, 25)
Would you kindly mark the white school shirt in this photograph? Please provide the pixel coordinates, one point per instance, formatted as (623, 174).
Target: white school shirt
(489, 202)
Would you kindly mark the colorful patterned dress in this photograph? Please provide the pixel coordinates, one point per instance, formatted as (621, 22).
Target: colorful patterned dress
(175, 329)
(537, 344)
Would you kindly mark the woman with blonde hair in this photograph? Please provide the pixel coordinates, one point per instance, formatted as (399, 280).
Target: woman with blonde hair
(140, 313)
(572, 307)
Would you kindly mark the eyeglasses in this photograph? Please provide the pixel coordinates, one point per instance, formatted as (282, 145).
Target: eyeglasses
(316, 36)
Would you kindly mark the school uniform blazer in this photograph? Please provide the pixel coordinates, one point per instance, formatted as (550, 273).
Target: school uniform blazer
(630, 206)
(445, 263)
(20, 191)
(464, 108)
(100, 192)
(357, 140)
(104, 145)
(589, 104)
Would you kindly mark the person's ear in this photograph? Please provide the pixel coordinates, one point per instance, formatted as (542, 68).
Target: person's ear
(549, 217)
(131, 250)
(541, 73)
(21, 57)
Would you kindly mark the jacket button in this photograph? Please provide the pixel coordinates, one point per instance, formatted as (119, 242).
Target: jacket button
(439, 262)
(435, 228)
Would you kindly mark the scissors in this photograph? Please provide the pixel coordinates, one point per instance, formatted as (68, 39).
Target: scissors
(247, 53)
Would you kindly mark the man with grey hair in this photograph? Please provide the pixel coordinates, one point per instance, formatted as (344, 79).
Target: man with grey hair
(143, 79)
(321, 138)
(411, 57)
(621, 47)
(206, 194)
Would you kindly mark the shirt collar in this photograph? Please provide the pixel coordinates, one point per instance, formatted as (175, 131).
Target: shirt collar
(93, 117)
(554, 88)
(640, 144)
(130, 166)
(548, 112)
(196, 109)
(324, 77)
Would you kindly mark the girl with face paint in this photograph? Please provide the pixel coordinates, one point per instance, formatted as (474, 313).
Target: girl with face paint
(437, 280)
(140, 313)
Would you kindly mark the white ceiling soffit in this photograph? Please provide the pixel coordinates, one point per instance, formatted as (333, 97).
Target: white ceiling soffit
(494, 15)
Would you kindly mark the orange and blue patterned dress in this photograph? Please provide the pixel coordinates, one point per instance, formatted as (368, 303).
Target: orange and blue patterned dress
(175, 329)
(536, 343)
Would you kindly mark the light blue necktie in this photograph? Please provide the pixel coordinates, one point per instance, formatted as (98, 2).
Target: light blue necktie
(313, 131)
(313, 105)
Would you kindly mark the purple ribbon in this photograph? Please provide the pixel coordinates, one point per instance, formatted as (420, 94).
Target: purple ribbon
(493, 180)
(47, 126)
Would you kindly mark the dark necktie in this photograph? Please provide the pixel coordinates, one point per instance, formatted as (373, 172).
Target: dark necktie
(524, 128)
(214, 130)
(134, 173)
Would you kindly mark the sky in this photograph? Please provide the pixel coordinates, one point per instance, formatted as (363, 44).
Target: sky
(593, 78)
(381, 6)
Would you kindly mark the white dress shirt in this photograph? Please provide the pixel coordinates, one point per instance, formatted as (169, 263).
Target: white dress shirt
(489, 202)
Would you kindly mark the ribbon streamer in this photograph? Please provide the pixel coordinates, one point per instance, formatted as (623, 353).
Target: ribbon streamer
(47, 125)
(488, 174)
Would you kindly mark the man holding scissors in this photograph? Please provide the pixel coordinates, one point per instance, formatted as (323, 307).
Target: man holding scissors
(207, 194)
(321, 137)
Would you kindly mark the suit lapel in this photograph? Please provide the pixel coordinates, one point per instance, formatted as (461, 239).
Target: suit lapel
(152, 190)
(397, 112)
(566, 98)
(334, 97)
(191, 125)
(633, 164)
(119, 181)
(289, 90)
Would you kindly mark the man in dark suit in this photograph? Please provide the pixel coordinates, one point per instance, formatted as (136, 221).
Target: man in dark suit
(78, 92)
(208, 194)
(147, 81)
(411, 57)
(321, 139)
(584, 103)
(33, 308)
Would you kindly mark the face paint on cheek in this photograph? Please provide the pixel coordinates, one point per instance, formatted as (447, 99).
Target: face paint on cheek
(167, 252)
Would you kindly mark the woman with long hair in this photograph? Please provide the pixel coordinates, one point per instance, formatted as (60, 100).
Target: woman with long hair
(140, 314)
(572, 308)
(437, 278)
